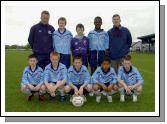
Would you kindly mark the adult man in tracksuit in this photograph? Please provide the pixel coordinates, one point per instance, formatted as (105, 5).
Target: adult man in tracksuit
(40, 39)
(120, 41)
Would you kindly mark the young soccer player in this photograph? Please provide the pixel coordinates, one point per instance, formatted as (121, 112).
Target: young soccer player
(55, 76)
(78, 78)
(32, 78)
(104, 79)
(98, 44)
(129, 79)
(80, 45)
(62, 41)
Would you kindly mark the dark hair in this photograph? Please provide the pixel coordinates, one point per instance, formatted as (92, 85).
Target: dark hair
(79, 26)
(32, 56)
(97, 17)
(116, 15)
(127, 57)
(77, 57)
(62, 19)
(106, 59)
(45, 12)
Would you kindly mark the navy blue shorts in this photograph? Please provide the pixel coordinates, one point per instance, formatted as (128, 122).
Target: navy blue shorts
(96, 57)
(78, 86)
(65, 59)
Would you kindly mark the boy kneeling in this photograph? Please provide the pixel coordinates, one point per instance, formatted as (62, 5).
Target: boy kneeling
(129, 79)
(32, 78)
(78, 78)
(104, 79)
(55, 76)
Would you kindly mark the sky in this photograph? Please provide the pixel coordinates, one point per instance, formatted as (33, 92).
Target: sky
(139, 19)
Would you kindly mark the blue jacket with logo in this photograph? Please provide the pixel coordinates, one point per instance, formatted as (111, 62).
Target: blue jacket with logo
(40, 38)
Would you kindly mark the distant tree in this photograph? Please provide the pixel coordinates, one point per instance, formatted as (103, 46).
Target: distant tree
(27, 46)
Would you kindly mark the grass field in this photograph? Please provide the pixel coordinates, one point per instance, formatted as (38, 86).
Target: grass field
(15, 101)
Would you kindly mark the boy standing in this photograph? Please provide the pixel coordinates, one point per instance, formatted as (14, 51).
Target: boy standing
(99, 43)
(62, 41)
(80, 45)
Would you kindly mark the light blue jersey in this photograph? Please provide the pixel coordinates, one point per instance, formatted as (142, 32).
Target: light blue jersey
(33, 77)
(99, 76)
(130, 78)
(98, 40)
(78, 78)
(62, 41)
(52, 75)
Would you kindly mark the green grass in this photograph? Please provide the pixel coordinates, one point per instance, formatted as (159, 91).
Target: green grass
(15, 100)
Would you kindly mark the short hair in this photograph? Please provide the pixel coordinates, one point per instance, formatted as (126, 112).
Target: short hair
(97, 17)
(116, 15)
(127, 57)
(79, 26)
(54, 53)
(62, 19)
(77, 57)
(106, 59)
(32, 56)
(45, 12)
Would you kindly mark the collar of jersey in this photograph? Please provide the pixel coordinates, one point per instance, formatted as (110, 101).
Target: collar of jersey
(34, 70)
(63, 32)
(105, 72)
(76, 69)
(53, 68)
(127, 72)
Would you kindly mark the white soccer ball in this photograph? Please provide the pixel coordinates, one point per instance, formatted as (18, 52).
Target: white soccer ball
(78, 101)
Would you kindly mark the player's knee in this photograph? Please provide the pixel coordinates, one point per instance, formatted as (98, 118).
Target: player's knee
(95, 87)
(89, 87)
(120, 85)
(139, 88)
(110, 87)
(67, 89)
(23, 88)
(43, 88)
(115, 87)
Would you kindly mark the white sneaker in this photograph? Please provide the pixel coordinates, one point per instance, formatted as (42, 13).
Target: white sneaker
(109, 98)
(98, 98)
(134, 98)
(122, 98)
(91, 94)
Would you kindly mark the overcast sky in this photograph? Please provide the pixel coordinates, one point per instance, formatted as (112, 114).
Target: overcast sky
(140, 20)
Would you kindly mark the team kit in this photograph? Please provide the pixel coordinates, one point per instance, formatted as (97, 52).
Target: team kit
(50, 70)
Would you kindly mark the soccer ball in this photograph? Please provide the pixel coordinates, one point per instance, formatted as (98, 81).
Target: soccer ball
(78, 101)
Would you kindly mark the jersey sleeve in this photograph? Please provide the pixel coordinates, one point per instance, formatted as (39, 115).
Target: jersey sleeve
(25, 77)
(139, 78)
(89, 38)
(86, 77)
(114, 77)
(64, 73)
(106, 41)
(95, 77)
(41, 77)
(119, 76)
(46, 74)
(69, 77)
